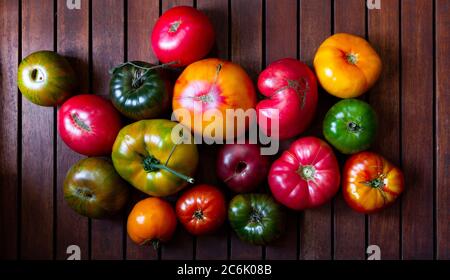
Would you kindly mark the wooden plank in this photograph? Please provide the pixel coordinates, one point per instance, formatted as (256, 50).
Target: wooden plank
(315, 224)
(9, 175)
(417, 128)
(281, 42)
(349, 226)
(71, 228)
(107, 236)
(383, 27)
(142, 15)
(246, 50)
(38, 134)
(181, 246)
(442, 132)
(213, 246)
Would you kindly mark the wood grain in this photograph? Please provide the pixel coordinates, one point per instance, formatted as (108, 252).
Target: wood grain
(315, 224)
(281, 19)
(71, 228)
(417, 128)
(246, 50)
(442, 129)
(38, 134)
(107, 236)
(9, 102)
(349, 226)
(384, 227)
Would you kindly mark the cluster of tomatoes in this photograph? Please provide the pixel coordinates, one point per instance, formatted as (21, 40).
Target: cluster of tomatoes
(145, 154)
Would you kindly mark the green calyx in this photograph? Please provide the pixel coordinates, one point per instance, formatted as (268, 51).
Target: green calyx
(80, 122)
(353, 127)
(152, 164)
(198, 215)
(352, 58)
(376, 183)
(174, 26)
(255, 216)
(307, 172)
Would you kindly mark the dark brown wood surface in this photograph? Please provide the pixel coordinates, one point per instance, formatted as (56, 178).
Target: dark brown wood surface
(411, 99)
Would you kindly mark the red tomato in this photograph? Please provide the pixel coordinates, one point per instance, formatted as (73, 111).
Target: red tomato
(370, 182)
(201, 209)
(291, 88)
(306, 175)
(182, 35)
(89, 124)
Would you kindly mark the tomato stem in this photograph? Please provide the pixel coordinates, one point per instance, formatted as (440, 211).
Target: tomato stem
(353, 127)
(198, 214)
(352, 58)
(307, 172)
(152, 164)
(142, 67)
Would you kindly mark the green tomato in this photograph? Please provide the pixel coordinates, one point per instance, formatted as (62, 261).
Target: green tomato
(45, 78)
(94, 189)
(350, 126)
(256, 218)
(139, 90)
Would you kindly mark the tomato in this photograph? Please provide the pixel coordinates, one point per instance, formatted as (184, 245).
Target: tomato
(46, 78)
(213, 85)
(152, 220)
(370, 182)
(89, 124)
(139, 90)
(291, 91)
(92, 188)
(201, 209)
(350, 126)
(256, 218)
(145, 156)
(182, 35)
(306, 175)
(347, 65)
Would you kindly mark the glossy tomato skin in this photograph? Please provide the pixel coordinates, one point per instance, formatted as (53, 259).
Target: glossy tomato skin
(371, 183)
(138, 93)
(151, 221)
(350, 126)
(144, 152)
(89, 124)
(208, 85)
(256, 218)
(201, 209)
(291, 88)
(182, 34)
(306, 175)
(46, 78)
(93, 188)
(242, 167)
(346, 65)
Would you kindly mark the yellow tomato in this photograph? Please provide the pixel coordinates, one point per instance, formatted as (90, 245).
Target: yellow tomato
(347, 65)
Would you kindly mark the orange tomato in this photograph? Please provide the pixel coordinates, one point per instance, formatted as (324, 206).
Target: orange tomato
(370, 182)
(151, 220)
(346, 65)
(218, 85)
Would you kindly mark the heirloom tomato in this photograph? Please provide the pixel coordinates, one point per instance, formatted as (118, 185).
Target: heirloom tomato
(370, 182)
(306, 175)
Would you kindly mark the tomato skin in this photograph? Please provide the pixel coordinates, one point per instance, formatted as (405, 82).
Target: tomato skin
(350, 126)
(346, 65)
(213, 84)
(201, 209)
(182, 34)
(151, 220)
(371, 183)
(89, 124)
(46, 78)
(306, 175)
(291, 87)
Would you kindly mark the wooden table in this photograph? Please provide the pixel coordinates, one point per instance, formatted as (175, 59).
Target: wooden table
(411, 98)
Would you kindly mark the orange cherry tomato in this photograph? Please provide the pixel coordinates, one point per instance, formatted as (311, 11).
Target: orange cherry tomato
(346, 65)
(213, 84)
(152, 220)
(370, 182)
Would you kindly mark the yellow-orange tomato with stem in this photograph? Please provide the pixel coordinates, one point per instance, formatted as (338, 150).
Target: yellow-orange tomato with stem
(346, 65)
(151, 220)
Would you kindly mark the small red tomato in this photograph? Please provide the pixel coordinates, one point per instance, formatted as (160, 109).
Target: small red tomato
(370, 182)
(182, 35)
(89, 124)
(202, 209)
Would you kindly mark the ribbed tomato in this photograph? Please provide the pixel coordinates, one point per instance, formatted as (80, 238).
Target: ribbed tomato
(306, 175)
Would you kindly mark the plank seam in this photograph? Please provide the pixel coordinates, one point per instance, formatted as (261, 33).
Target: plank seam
(55, 145)
(19, 142)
